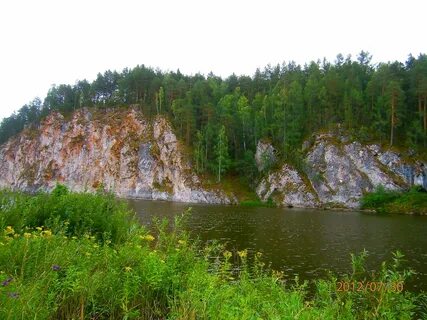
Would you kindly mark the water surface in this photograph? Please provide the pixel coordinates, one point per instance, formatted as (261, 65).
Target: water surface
(305, 242)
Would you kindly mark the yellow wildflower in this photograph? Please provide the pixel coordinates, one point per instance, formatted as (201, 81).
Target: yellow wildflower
(9, 230)
(46, 233)
(227, 254)
(39, 228)
(243, 254)
(128, 269)
(278, 274)
(148, 237)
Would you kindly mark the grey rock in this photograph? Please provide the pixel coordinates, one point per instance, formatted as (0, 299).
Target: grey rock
(287, 188)
(133, 157)
(265, 155)
(339, 172)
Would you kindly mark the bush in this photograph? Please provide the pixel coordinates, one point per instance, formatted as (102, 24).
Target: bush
(378, 199)
(413, 201)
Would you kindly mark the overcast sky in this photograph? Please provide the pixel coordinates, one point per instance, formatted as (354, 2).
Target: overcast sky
(49, 42)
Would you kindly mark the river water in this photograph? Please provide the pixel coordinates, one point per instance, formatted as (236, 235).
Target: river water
(305, 242)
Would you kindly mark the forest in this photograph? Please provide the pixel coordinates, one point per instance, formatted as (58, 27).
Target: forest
(221, 120)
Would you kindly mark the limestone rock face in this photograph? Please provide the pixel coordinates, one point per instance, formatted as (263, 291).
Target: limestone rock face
(121, 151)
(287, 188)
(265, 155)
(337, 172)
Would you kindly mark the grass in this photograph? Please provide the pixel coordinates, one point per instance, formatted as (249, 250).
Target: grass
(81, 256)
(413, 201)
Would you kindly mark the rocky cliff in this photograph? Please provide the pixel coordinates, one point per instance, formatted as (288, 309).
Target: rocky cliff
(336, 172)
(135, 157)
(121, 151)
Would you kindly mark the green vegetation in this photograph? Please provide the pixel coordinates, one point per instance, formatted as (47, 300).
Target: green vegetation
(284, 104)
(258, 203)
(221, 153)
(101, 216)
(413, 201)
(80, 256)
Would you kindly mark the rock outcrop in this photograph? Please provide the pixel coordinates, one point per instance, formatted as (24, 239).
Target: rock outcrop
(136, 157)
(265, 155)
(121, 151)
(337, 173)
(286, 187)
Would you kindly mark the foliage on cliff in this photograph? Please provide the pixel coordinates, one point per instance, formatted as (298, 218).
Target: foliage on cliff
(413, 201)
(284, 103)
(50, 269)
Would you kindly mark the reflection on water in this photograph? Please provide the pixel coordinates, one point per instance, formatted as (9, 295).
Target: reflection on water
(305, 242)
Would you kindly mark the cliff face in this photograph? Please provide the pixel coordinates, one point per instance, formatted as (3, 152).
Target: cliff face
(122, 151)
(338, 172)
(135, 157)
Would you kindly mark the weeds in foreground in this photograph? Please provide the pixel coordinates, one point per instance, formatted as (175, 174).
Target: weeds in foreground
(56, 271)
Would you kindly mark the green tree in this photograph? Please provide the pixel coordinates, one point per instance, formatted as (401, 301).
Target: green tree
(160, 97)
(418, 81)
(244, 115)
(394, 96)
(221, 154)
(199, 152)
(293, 115)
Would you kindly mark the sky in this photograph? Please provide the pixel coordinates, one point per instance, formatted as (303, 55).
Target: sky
(48, 42)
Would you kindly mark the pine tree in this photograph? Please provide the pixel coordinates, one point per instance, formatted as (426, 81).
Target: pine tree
(395, 96)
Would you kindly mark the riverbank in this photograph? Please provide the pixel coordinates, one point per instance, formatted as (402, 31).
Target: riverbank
(68, 255)
(413, 201)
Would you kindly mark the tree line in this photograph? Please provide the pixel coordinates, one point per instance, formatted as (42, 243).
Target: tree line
(223, 119)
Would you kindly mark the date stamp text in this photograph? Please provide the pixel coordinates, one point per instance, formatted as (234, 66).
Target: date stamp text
(369, 286)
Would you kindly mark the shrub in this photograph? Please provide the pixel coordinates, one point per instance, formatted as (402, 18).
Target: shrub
(413, 201)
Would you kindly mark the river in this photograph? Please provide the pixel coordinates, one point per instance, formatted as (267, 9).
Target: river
(305, 242)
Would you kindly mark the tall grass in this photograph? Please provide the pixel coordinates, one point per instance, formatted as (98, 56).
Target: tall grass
(80, 256)
(76, 214)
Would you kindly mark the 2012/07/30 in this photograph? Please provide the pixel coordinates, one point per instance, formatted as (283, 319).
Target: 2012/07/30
(372, 286)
